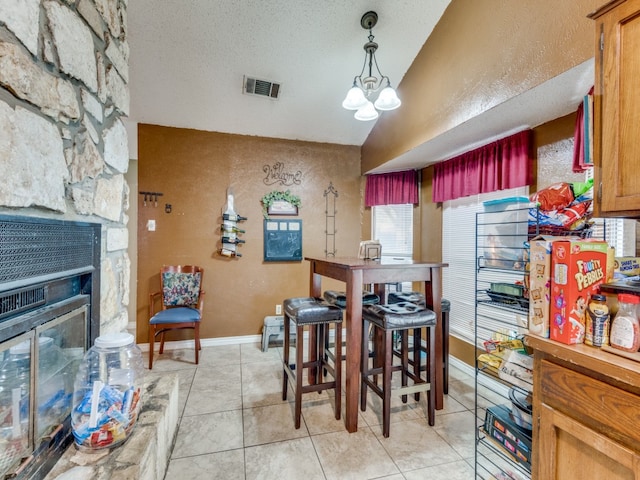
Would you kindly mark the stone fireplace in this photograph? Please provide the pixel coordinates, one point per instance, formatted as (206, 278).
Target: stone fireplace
(49, 316)
(63, 142)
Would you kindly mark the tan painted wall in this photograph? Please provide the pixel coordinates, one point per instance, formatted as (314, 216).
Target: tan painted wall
(193, 170)
(480, 54)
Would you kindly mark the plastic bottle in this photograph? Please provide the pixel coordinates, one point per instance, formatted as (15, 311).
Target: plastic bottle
(625, 328)
(597, 322)
(107, 392)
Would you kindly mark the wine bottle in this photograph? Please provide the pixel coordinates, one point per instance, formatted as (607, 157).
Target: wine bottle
(233, 217)
(232, 239)
(231, 229)
(229, 253)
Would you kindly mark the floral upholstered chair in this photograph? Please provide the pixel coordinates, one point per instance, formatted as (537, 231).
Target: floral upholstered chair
(182, 302)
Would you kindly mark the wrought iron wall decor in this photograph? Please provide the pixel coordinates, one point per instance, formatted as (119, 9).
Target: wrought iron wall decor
(276, 174)
(330, 195)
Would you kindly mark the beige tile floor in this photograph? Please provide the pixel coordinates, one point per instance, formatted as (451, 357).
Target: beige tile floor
(235, 425)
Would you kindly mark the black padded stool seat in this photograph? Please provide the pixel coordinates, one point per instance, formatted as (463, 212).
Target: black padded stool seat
(317, 315)
(399, 316)
(411, 297)
(340, 298)
(388, 319)
(418, 298)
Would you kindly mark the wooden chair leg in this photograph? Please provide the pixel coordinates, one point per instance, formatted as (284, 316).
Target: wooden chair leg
(152, 337)
(431, 394)
(299, 370)
(364, 365)
(322, 334)
(417, 357)
(386, 382)
(161, 342)
(285, 358)
(404, 359)
(337, 367)
(196, 341)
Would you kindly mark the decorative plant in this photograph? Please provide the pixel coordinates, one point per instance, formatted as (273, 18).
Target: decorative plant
(270, 198)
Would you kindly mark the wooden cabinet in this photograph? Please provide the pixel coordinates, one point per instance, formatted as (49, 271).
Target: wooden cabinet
(617, 109)
(586, 413)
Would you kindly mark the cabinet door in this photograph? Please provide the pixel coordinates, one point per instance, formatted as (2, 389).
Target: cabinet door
(617, 110)
(570, 450)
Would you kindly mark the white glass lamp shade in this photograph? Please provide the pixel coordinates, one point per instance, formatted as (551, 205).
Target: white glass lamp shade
(388, 99)
(355, 99)
(366, 113)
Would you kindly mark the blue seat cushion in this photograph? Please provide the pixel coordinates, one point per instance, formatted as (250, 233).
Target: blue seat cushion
(176, 315)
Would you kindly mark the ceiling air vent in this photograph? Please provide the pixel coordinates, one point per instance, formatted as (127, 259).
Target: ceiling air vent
(263, 88)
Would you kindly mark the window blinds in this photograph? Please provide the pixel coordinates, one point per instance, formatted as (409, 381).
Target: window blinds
(458, 250)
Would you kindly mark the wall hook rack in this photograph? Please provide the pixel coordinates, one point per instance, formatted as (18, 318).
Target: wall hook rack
(150, 197)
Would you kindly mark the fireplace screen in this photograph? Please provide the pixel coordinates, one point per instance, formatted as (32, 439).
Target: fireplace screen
(49, 316)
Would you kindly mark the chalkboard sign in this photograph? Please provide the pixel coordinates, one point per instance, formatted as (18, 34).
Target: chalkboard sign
(282, 240)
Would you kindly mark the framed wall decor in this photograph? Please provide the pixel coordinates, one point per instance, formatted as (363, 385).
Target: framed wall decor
(282, 207)
(282, 240)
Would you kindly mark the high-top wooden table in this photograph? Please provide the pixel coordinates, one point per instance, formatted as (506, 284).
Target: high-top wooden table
(356, 273)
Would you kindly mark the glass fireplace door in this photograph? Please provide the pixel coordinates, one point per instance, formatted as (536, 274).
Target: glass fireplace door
(61, 348)
(37, 371)
(15, 400)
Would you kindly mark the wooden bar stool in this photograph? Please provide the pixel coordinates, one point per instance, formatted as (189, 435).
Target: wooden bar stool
(318, 316)
(388, 319)
(418, 299)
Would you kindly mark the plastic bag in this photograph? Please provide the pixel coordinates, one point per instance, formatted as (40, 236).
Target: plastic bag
(556, 196)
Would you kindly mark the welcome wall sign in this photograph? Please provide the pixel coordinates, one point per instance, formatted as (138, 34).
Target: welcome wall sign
(276, 173)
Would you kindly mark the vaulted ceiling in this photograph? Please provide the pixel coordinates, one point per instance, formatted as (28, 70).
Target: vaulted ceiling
(188, 61)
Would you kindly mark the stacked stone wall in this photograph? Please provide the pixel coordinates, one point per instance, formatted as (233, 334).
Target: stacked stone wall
(63, 145)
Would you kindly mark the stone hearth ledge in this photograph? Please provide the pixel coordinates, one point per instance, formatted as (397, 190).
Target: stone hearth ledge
(145, 455)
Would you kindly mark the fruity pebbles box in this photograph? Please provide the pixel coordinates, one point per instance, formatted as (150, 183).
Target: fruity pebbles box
(579, 267)
(540, 283)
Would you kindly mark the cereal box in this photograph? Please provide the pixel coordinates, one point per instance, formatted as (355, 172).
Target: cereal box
(540, 283)
(579, 267)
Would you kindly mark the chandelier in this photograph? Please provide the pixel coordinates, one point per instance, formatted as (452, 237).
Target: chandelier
(358, 97)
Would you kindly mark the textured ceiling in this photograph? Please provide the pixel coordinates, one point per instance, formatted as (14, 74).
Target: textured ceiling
(188, 60)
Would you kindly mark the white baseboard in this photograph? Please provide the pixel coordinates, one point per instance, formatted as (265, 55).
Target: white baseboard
(460, 365)
(206, 342)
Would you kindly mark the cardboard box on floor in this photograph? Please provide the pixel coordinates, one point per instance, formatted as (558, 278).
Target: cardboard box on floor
(579, 267)
(540, 283)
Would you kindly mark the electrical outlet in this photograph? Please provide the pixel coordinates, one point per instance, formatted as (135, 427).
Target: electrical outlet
(278, 309)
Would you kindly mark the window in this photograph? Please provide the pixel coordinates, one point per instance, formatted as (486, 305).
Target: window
(392, 225)
(459, 251)
(618, 232)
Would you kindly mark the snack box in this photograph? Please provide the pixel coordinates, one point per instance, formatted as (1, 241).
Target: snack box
(503, 430)
(627, 266)
(579, 267)
(540, 283)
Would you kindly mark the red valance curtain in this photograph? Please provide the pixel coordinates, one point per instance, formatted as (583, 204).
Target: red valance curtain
(502, 164)
(582, 135)
(391, 188)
